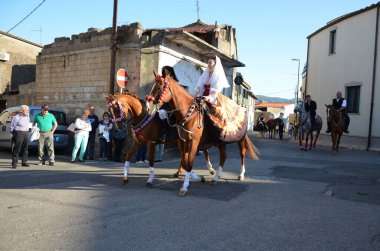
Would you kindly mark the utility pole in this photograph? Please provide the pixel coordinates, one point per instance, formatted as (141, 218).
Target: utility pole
(198, 10)
(113, 48)
(298, 78)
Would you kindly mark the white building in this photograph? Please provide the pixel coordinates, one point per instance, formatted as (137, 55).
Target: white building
(343, 55)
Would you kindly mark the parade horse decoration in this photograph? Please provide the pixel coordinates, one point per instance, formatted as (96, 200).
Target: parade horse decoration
(305, 127)
(146, 129)
(337, 126)
(273, 127)
(196, 127)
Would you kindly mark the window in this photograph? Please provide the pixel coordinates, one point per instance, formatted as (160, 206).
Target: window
(353, 98)
(332, 42)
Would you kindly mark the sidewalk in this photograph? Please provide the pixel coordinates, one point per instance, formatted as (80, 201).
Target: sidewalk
(350, 142)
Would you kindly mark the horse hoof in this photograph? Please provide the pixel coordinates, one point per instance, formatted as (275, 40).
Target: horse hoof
(125, 180)
(305, 150)
(149, 185)
(309, 148)
(212, 172)
(182, 193)
(176, 175)
(240, 177)
(203, 180)
(301, 149)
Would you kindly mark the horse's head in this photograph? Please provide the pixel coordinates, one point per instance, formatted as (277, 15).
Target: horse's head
(299, 107)
(330, 111)
(116, 109)
(159, 94)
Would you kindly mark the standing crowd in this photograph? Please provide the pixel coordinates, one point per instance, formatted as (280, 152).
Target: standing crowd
(86, 129)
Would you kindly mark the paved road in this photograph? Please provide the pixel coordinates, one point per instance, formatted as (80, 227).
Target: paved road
(290, 200)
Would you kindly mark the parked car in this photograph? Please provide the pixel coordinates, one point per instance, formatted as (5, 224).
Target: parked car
(61, 136)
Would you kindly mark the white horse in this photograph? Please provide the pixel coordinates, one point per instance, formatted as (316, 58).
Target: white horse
(304, 126)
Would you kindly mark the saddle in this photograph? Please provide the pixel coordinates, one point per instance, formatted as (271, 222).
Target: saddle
(228, 117)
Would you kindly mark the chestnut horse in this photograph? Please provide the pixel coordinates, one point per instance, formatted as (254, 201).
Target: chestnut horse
(146, 129)
(337, 126)
(194, 128)
(305, 127)
(273, 127)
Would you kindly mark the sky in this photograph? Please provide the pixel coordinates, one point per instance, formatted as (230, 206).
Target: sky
(269, 33)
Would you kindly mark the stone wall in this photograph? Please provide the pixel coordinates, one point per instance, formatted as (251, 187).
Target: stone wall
(20, 69)
(73, 73)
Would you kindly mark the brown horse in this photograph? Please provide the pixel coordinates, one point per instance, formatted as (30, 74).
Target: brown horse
(146, 129)
(194, 128)
(273, 127)
(337, 126)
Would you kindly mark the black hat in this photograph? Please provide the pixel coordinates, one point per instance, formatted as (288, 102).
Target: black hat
(45, 107)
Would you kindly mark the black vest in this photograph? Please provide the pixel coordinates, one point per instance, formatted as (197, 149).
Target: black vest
(337, 104)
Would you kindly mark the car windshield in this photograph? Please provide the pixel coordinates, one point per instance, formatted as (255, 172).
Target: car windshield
(59, 116)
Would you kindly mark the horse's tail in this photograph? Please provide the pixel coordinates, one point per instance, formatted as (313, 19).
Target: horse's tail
(251, 150)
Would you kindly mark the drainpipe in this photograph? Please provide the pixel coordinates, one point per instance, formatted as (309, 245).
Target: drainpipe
(373, 80)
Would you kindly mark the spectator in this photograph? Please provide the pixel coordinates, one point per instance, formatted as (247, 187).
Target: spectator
(141, 154)
(47, 124)
(82, 129)
(290, 129)
(159, 148)
(119, 136)
(105, 126)
(91, 137)
(20, 137)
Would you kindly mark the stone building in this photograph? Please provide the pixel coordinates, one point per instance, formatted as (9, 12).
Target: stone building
(17, 63)
(74, 72)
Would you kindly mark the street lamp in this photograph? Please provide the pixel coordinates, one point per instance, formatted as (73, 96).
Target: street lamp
(298, 78)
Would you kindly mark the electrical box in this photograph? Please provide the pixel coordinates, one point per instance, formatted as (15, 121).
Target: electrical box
(4, 56)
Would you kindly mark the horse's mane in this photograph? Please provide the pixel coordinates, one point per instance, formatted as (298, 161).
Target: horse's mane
(183, 90)
(134, 95)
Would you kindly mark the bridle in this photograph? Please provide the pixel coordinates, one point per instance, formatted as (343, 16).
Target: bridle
(120, 107)
(160, 95)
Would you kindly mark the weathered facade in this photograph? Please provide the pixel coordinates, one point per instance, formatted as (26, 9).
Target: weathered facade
(17, 63)
(343, 56)
(73, 73)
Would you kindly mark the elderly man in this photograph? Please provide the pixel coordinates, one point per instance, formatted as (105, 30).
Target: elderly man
(20, 136)
(340, 105)
(47, 124)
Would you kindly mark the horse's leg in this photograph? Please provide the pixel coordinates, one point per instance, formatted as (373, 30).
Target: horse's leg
(128, 156)
(315, 140)
(151, 164)
(208, 162)
(300, 137)
(242, 149)
(222, 158)
(333, 138)
(180, 167)
(311, 140)
(337, 142)
(188, 151)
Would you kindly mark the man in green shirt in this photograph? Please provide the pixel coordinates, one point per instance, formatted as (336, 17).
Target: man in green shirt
(47, 124)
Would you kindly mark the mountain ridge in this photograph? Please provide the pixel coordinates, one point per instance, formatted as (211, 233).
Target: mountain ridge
(273, 99)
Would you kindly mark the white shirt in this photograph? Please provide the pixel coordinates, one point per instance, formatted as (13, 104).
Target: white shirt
(83, 125)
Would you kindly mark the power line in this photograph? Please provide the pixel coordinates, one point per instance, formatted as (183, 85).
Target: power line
(26, 16)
